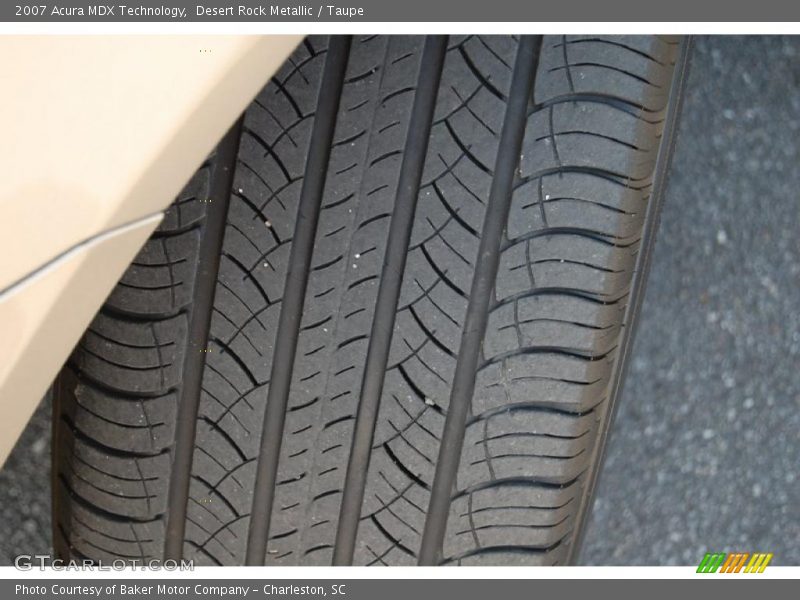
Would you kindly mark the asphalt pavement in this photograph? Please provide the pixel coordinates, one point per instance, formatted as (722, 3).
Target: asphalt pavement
(705, 451)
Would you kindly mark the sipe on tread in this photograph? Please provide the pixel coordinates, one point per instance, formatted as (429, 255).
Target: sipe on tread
(388, 294)
(294, 296)
(480, 297)
(200, 321)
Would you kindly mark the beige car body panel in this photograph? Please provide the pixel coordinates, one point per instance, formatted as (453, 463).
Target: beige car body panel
(99, 135)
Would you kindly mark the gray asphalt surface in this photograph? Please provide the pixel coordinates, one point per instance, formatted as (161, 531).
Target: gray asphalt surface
(706, 447)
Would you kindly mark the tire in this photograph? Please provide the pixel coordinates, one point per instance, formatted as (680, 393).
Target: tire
(387, 320)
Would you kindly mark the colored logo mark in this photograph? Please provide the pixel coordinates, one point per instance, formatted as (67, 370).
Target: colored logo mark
(734, 562)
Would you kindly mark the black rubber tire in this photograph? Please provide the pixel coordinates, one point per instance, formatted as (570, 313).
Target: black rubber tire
(387, 321)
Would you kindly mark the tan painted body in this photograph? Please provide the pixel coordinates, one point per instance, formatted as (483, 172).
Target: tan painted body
(99, 134)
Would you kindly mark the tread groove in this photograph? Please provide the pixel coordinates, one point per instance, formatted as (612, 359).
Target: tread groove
(480, 299)
(200, 322)
(293, 297)
(388, 296)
